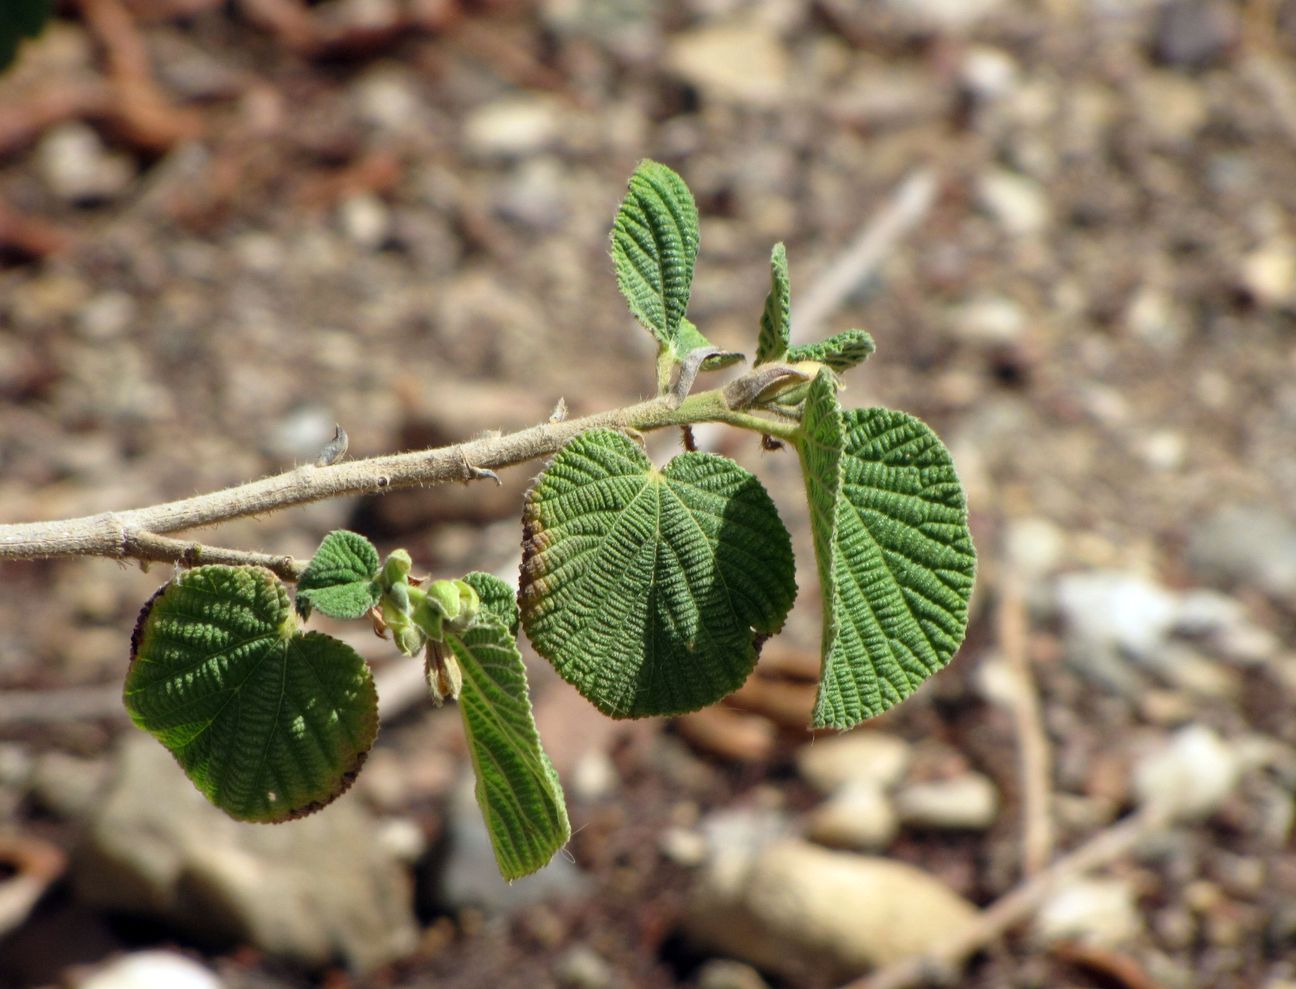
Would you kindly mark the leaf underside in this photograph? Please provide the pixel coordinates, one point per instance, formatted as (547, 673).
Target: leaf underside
(647, 589)
(654, 248)
(895, 556)
(517, 787)
(268, 723)
(776, 320)
(339, 580)
(840, 352)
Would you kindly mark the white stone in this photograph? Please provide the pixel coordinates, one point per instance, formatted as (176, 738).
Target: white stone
(594, 776)
(780, 904)
(514, 126)
(991, 319)
(968, 802)
(738, 62)
(1190, 777)
(874, 757)
(988, 72)
(76, 165)
(953, 16)
(365, 220)
(1269, 273)
(1113, 608)
(1099, 911)
(857, 816)
(1017, 202)
(152, 970)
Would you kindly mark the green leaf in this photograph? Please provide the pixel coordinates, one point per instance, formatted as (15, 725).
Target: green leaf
(690, 338)
(776, 320)
(339, 580)
(498, 599)
(647, 589)
(268, 723)
(517, 787)
(896, 561)
(654, 247)
(21, 19)
(840, 352)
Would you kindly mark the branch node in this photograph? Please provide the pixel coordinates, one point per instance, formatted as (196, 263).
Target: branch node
(472, 473)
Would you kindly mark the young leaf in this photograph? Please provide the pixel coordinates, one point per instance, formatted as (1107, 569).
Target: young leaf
(840, 352)
(497, 598)
(654, 247)
(268, 723)
(896, 561)
(690, 338)
(647, 589)
(20, 19)
(339, 580)
(517, 787)
(776, 320)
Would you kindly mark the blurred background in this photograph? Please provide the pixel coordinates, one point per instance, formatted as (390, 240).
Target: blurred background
(1070, 225)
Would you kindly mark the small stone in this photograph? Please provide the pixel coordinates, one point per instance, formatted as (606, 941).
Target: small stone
(366, 221)
(722, 973)
(152, 970)
(1034, 546)
(1190, 778)
(780, 904)
(514, 126)
(77, 167)
(991, 320)
(386, 99)
(942, 16)
(1193, 34)
(1017, 202)
(66, 786)
(683, 846)
(581, 967)
(988, 73)
(1113, 609)
(1171, 108)
(107, 316)
(594, 776)
(1269, 274)
(536, 196)
(740, 62)
(857, 816)
(1248, 545)
(828, 764)
(1098, 911)
(969, 802)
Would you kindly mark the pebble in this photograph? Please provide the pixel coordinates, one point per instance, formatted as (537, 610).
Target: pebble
(1112, 609)
(943, 16)
(155, 848)
(1171, 108)
(581, 967)
(857, 816)
(991, 320)
(1248, 545)
(107, 316)
(77, 167)
(968, 802)
(723, 973)
(1190, 777)
(1017, 202)
(152, 970)
(594, 776)
(868, 757)
(1098, 911)
(366, 221)
(775, 906)
(1193, 34)
(738, 62)
(513, 127)
(1269, 274)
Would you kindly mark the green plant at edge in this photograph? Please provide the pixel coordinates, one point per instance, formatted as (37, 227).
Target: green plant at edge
(649, 589)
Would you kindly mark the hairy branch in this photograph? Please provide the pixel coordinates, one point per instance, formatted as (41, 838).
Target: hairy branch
(140, 533)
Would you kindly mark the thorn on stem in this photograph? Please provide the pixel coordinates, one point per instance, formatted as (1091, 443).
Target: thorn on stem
(472, 473)
(335, 449)
(559, 413)
(686, 434)
(768, 442)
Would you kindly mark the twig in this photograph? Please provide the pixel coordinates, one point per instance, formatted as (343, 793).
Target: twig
(904, 212)
(110, 533)
(1032, 744)
(147, 546)
(1013, 907)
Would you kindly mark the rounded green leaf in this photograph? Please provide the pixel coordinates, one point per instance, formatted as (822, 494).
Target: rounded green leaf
(647, 589)
(339, 580)
(268, 723)
(517, 787)
(895, 555)
(654, 248)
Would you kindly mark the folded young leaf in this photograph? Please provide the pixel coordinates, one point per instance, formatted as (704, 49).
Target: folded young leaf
(268, 723)
(840, 352)
(654, 248)
(339, 580)
(896, 561)
(690, 338)
(518, 791)
(776, 320)
(497, 598)
(647, 589)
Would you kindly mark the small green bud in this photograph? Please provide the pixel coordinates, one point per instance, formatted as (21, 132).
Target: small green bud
(444, 597)
(397, 568)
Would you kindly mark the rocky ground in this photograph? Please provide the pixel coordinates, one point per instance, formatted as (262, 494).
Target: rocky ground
(227, 226)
